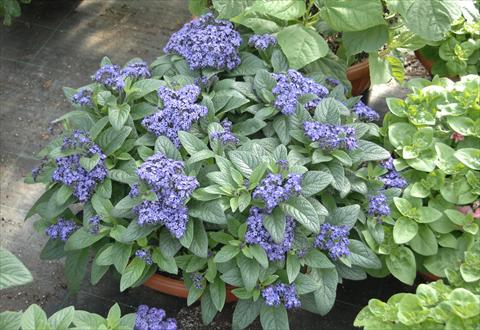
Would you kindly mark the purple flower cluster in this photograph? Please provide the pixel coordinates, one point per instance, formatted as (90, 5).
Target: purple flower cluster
(364, 112)
(331, 136)
(392, 179)
(144, 255)
(178, 114)
(206, 42)
(94, 223)
(333, 240)
(281, 293)
(262, 41)
(257, 234)
(111, 76)
(282, 164)
(136, 70)
(166, 179)
(291, 86)
(62, 230)
(378, 206)
(83, 97)
(226, 136)
(70, 172)
(274, 189)
(153, 319)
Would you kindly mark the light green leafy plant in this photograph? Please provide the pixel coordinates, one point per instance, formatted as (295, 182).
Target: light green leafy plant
(436, 305)
(14, 273)
(458, 54)
(435, 134)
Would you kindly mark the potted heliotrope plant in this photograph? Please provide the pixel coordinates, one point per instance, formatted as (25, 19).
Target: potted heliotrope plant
(219, 167)
(434, 134)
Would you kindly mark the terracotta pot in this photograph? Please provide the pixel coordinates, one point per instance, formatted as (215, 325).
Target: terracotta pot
(429, 277)
(359, 76)
(176, 287)
(427, 63)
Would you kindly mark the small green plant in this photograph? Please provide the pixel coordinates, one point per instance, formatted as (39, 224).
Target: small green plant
(436, 305)
(10, 9)
(435, 134)
(459, 53)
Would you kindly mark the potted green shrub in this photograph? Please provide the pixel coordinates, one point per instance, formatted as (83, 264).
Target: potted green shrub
(220, 166)
(435, 138)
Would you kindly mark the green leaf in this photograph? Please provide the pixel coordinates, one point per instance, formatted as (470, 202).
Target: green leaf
(464, 303)
(433, 26)
(260, 24)
(248, 127)
(211, 211)
(191, 143)
(317, 259)
(249, 270)
(86, 320)
(425, 242)
(10, 320)
(194, 294)
(145, 86)
(53, 249)
(246, 311)
(166, 264)
(368, 151)
(401, 263)
(111, 140)
(293, 267)
(81, 239)
(345, 15)
(368, 40)
(275, 225)
(118, 115)
(132, 273)
(75, 268)
(315, 181)
(199, 245)
(249, 66)
(229, 8)
(379, 69)
(166, 147)
(284, 10)
(226, 253)
(306, 284)
(302, 210)
(404, 230)
(326, 294)
(34, 318)
(362, 256)
(279, 61)
(135, 231)
(208, 308)
(62, 319)
(12, 271)
(218, 293)
(89, 163)
(274, 318)
(469, 156)
(263, 84)
(396, 106)
(301, 45)
(260, 255)
(345, 216)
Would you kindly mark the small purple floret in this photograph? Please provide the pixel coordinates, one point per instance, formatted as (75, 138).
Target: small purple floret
(62, 230)
(83, 97)
(281, 293)
(331, 136)
(144, 255)
(110, 76)
(225, 137)
(333, 240)
(274, 189)
(262, 42)
(378, 206)
(364, 112)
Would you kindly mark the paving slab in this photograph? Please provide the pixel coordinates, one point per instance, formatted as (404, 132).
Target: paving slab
(58, 43)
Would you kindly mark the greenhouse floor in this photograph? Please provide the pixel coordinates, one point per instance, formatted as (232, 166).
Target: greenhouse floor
(58, 43)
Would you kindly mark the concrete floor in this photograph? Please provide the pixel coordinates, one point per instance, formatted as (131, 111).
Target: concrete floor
(58, 43)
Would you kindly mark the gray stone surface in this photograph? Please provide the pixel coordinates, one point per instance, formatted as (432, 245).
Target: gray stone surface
(59, 43)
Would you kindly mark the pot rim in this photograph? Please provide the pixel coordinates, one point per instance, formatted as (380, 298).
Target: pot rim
(177, 288)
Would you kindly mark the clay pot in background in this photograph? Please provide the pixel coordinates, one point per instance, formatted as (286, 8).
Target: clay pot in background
(176, 287)
(359, 76)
